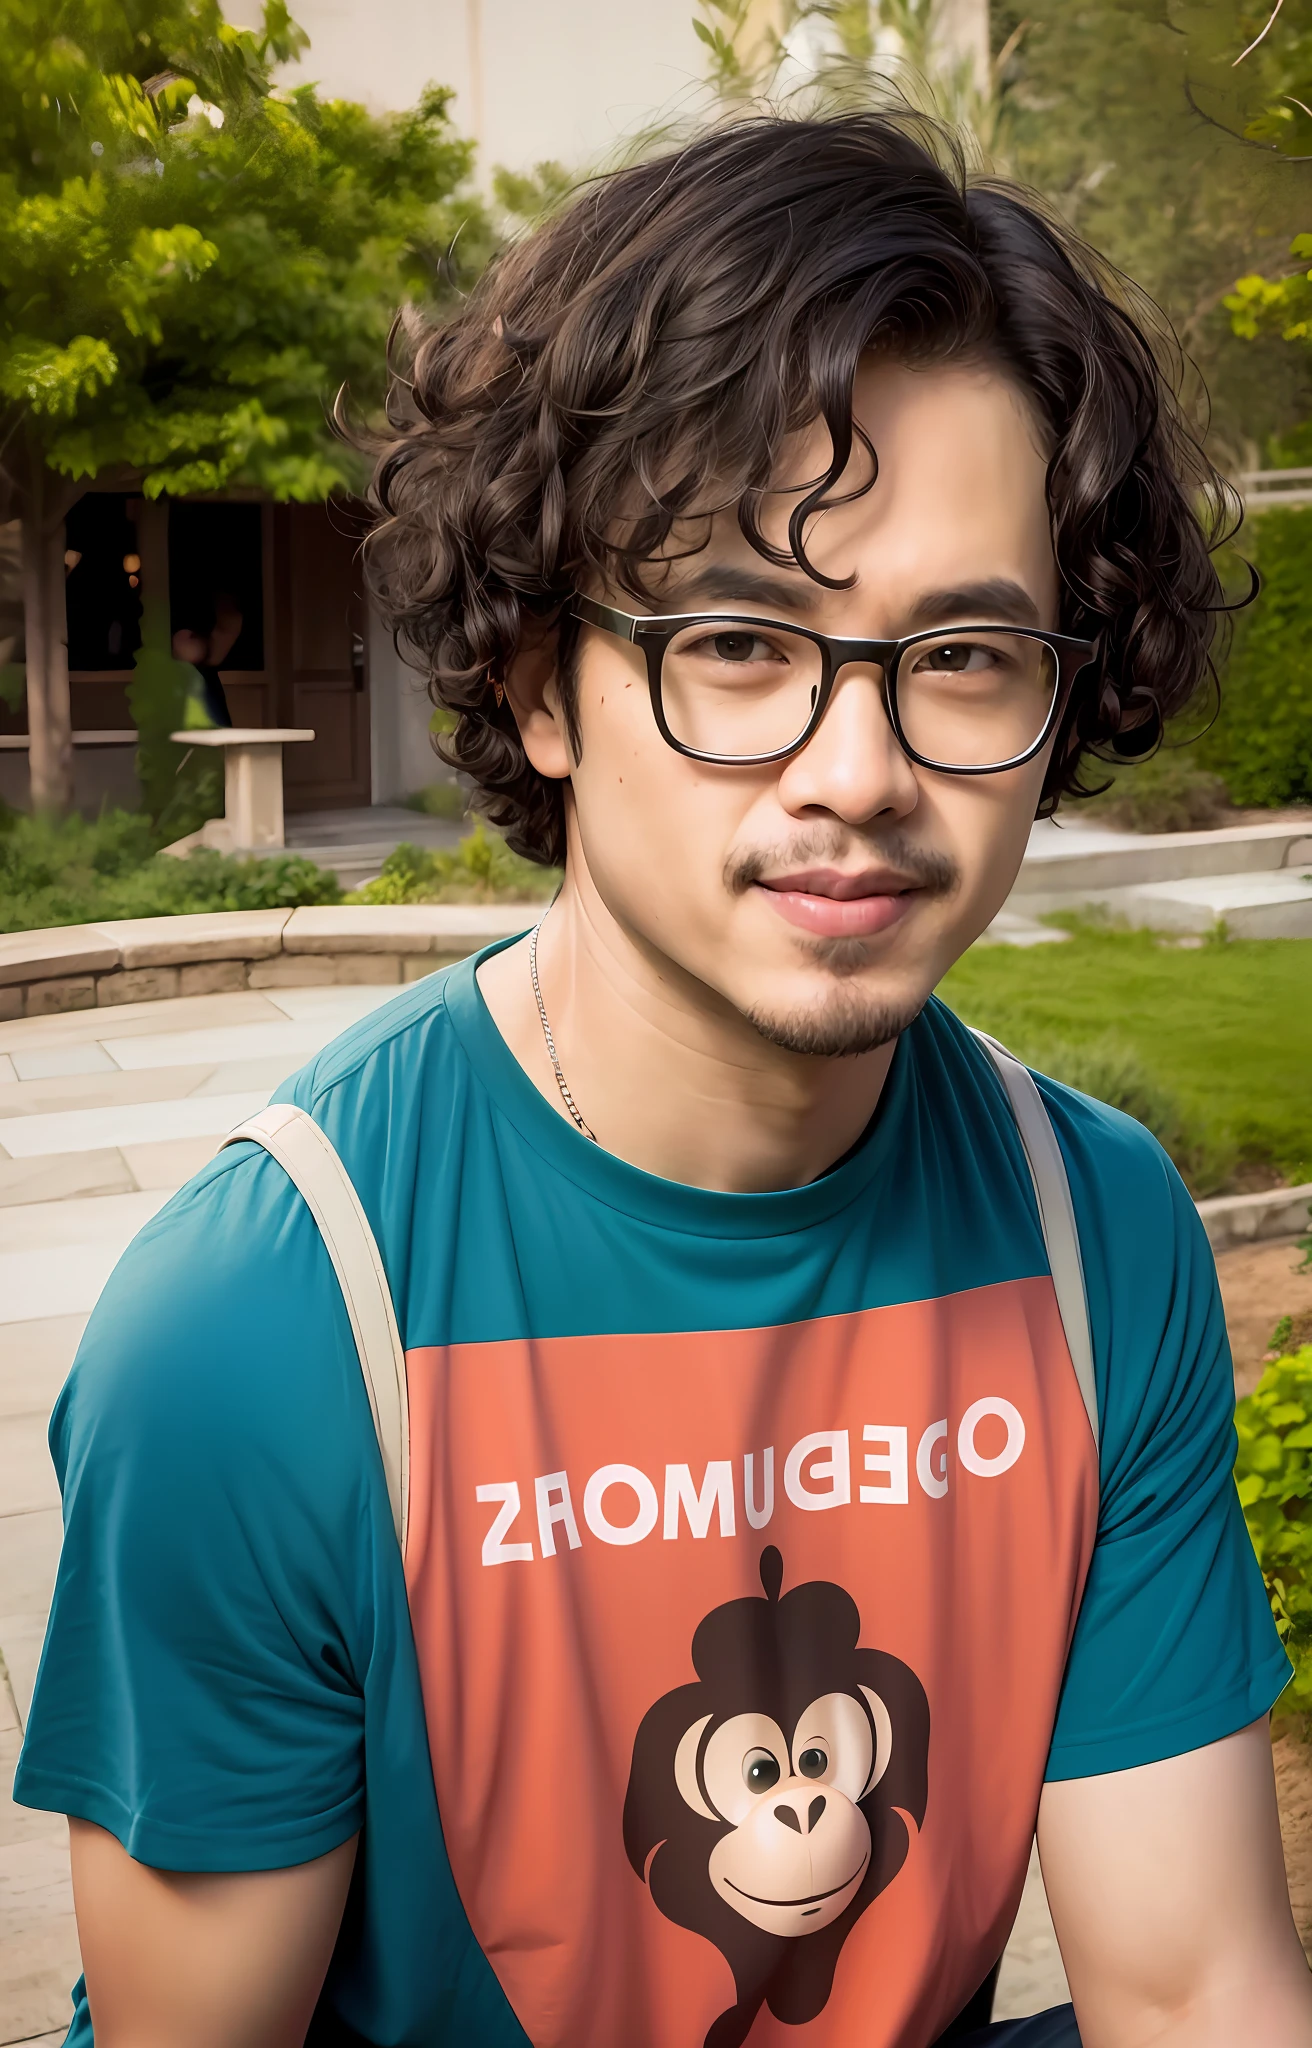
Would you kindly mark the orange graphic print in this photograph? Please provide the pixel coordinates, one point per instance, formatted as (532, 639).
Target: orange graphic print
(740, 1654)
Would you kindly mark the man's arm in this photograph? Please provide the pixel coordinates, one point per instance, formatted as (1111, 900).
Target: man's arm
(1168, 1894)
(181, 1961)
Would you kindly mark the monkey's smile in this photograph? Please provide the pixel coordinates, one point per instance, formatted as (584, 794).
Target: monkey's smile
(815, 1899)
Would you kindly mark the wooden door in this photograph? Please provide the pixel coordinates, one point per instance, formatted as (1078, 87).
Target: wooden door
(322, 664)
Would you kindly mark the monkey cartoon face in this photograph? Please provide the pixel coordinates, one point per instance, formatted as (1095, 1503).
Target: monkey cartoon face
(799, 1844)
(765, 1803)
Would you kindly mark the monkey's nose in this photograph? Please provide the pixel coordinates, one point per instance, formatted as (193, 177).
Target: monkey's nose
(788, 1815)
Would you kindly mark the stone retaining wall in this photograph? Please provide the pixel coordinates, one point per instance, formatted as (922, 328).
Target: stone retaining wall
(143, 959)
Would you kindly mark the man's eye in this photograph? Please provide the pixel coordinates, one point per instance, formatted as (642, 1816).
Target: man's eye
(760, 1771)
(955, 657)
(740, 647)
(813, 1763)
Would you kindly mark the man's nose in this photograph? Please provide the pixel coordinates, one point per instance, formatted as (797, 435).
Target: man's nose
(790, 1813)
(853, 766)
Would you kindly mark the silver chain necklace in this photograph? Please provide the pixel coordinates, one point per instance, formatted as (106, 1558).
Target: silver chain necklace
(561, 1082)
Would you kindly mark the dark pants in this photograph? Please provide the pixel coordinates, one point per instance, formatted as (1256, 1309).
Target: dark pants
(213, 695)
(1053, 2029)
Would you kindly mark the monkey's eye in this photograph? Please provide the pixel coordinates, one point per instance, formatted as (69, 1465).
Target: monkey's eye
(760, 1771)
(813, 1763)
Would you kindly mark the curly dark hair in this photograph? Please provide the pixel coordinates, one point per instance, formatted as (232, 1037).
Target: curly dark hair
(637, 363)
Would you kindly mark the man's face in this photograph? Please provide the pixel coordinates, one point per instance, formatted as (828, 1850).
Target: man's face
(822, 898)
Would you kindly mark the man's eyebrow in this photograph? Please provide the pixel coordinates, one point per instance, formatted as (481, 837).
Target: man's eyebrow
(996, 598)
(719, 584)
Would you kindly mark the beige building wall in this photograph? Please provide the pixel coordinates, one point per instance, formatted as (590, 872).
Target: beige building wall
(534, 79)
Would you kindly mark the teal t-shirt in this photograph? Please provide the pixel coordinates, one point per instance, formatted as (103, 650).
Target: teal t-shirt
(637, 1407)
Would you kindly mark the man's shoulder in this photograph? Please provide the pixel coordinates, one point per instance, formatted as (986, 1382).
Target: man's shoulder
(220, 1336)
(1124, 1183)
(224, 1316)
(398, 1045)
(1117, 1167)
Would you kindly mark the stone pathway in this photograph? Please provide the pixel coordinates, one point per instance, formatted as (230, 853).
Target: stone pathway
(103, 1113)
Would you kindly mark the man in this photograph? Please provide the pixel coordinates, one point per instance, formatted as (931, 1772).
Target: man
(205, 645)
(784, 523)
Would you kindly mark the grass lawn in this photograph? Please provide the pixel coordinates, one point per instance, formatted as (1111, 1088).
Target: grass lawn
(1226, 1028)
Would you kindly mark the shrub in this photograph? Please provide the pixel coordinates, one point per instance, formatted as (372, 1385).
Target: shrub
(1169, 792)
(1110, 1070)
(1274, 1476)
(1262, 741)
(482, 869)
(440, 800)
(77, 871)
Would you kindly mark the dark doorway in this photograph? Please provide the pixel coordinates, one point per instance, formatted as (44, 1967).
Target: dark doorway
(104, 576)
(216, 564)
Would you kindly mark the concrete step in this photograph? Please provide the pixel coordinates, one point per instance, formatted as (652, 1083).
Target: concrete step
(1010, 929)
(1063, 863)
(1251, 906)
(1274, 905)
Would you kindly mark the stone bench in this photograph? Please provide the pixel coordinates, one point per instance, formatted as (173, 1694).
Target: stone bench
(252, 820)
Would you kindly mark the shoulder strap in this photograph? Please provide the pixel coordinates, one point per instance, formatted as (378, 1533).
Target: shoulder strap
(309, 1160)
(1052, 1190)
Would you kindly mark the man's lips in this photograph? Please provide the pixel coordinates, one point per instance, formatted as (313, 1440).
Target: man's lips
(838, 906)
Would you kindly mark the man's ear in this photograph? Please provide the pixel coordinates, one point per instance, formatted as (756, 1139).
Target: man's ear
(532, 684)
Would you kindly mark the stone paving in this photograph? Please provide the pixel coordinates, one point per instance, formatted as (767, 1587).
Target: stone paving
(103, 1114)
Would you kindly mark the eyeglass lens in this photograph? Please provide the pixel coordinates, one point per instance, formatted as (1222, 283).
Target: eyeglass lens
(967, 700)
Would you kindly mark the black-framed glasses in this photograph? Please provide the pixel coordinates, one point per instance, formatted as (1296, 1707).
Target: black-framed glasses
(742, 691)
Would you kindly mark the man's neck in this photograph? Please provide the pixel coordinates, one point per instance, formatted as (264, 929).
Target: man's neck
(667, 1074)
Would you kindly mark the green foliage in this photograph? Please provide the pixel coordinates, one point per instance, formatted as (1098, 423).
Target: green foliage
(1274, 1476)
(440, 800)
(179, 790)
(1135, 121)
(1223, 1027)
(529, 196)
(193, 258)
(722, 29)
(827, 54)
(76, 870)
(482, 869)
(1169, 792)
(1262, 742)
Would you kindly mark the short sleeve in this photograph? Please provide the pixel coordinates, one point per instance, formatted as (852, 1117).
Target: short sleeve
(200, 1693)
(1174, 1646)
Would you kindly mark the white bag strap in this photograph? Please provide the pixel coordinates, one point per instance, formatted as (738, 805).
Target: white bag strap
(310, 1161)
(1052, 1191)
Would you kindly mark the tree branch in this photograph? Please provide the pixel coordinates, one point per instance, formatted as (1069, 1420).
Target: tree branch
(1258, 38)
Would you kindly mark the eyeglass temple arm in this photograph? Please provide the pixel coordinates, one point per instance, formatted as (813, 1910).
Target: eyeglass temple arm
(604, 615)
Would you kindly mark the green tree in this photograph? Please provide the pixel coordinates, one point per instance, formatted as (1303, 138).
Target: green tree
(192, 259)
(1140, 120)
(1269, 107)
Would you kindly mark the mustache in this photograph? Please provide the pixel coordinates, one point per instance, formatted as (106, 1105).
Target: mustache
(935, 872)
